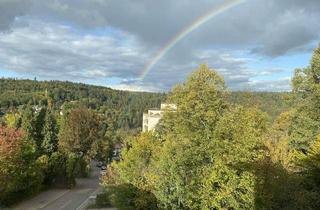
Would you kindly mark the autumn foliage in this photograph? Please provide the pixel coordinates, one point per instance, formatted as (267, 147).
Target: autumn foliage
(10, 140)
(19, 172)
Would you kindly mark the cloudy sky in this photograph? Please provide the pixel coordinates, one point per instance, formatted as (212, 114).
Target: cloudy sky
(254, 45)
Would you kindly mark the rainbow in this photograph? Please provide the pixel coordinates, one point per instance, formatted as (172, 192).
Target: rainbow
(196, 24)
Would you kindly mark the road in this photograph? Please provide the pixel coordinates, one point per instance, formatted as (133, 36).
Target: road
(64, 199)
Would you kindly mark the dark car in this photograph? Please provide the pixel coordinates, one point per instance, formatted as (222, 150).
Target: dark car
(99, 164)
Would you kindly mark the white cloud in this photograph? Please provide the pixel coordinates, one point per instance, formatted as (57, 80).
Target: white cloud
(53, 50)
(83, 40)
(136, 88)
(278, 85)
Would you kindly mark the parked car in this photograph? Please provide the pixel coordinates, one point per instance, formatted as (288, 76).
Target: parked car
(103, 172)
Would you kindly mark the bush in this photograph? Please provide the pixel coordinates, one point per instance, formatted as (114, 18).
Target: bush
(126, 197)
(103, 200)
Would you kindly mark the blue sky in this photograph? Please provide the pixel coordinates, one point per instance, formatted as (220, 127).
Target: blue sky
(6, 73)
(254, 45)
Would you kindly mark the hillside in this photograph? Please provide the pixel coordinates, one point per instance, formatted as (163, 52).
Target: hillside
(272, 103)
(125, 105)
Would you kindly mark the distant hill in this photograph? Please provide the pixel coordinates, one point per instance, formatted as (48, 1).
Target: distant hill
(125, 105)
(273, 103)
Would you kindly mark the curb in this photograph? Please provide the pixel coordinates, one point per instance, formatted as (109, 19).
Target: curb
(84, 204)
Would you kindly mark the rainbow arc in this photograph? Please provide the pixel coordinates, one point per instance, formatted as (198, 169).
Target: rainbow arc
(186, 31)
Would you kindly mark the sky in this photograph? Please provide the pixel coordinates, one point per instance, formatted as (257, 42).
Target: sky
(254, 44)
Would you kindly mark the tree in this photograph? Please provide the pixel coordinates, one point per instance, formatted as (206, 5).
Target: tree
(200, 156)
(277, 185)
(191, 172)
(201, 100)
(28, 122)
(62, 169)
(287, 174)
(310, 164)
(129, 188)
(136, 160)
(20, 174)
(277, 142)
(305, 124)
(50, 134)
(104, 150)
(13, 120)
(186, 134)
(39, 122)
(79, 132)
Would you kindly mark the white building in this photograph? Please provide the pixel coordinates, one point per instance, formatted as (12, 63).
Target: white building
(151, 119)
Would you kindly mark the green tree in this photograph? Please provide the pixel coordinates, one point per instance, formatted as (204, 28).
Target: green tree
(201, 100)
(50, 134)
(62, 169)
(12, 120)
(305, 124)
(78, 135)
(186, 134)
(130, 187)
(104, 150)
(136, 160)
(277, 185)
(200, 156)
(192, 172)
(310, 164)
(39, 122)
(79, 132)
(28, 122)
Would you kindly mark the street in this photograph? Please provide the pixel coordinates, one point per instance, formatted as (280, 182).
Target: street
(66, 199)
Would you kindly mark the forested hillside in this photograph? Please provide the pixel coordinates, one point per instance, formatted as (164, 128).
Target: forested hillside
(273, 103)
(127, 106)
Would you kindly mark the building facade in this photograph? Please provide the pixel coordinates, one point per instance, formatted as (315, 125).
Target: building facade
(151, 119)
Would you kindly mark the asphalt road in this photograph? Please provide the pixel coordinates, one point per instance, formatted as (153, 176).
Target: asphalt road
(62, 198)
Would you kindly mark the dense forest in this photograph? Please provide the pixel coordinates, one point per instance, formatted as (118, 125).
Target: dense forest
(127, 107)
(272, 103)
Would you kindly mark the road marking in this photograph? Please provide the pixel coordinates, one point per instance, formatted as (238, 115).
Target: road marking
(55, 199)
(66, 204)
(84, 191)
(84, 203)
